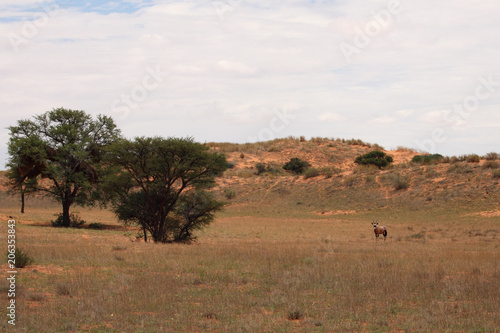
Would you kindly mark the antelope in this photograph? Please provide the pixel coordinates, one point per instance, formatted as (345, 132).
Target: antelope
(379, 230)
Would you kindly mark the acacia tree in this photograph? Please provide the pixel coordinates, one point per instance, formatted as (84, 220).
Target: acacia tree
(23, 169)
(64, 147)
(160, 186)
(375, 157)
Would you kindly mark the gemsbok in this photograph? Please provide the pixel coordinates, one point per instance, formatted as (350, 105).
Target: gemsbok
(379, 229)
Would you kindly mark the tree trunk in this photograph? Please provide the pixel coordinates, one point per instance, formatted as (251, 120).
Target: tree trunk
(22, 202)
(145, 234)
(66, 219)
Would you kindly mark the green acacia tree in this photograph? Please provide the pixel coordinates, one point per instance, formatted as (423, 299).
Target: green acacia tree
(375, 157)
(64, 147)
(159, 185)
(296, 165)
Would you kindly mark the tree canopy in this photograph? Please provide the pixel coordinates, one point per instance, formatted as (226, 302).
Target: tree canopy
(160, 185)
(296, 165)
(375, 157)
(65, 147)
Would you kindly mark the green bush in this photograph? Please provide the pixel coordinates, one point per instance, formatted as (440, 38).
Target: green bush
(427, 159)
(22, 259)
(296, 165)
(75, 221)
(496, 174)
(261, 168)
(375, 157)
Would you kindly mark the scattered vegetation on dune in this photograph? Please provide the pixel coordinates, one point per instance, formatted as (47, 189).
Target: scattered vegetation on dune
(278, 145)
(289, 253)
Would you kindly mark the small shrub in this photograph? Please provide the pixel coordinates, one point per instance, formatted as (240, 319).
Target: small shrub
(491, 164)
(261, 168)
(496, 174)
(75, 221)
(472, 158)
(427, 159)
(377, 146)
(229, 165)
(242, 156)
(302, 138)
(350, 181)
(229, 193)
(491, 156)
(330, 171)
(119, 248)
(400, 182)
(63, 289)
(370, 178)
(431, 173)
(461, 167)
(375, 157)
(295, 314)
(270, 168)
(419, 235)
(210, 315)
(22, 259)
(311, 173)
(366, 169)
(405, 149)
(274, 170)
(96, 225)
(296, 165)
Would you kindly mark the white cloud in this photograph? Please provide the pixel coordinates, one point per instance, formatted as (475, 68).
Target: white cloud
(235, 67)
(405, 112)
(232, 71)
(434, 117)
(331, 117)
(382, 120)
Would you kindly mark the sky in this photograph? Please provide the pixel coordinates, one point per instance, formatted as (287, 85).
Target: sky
(419, 74)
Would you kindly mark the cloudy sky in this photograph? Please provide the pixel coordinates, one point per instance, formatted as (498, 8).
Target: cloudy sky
(421, 74)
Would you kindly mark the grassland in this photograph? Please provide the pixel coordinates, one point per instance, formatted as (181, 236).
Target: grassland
(288, 254)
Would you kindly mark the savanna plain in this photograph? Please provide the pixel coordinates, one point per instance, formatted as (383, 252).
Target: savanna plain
(290, 253)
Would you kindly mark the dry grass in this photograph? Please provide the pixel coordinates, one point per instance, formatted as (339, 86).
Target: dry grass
(289, 254)
(251, 274)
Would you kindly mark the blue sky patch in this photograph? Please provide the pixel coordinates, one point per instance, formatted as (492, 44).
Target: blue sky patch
(103, 7)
